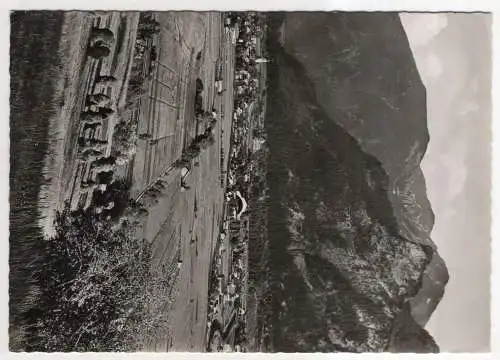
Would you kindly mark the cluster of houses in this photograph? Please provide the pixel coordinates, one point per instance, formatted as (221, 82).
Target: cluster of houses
(227, 303)
(227, 298)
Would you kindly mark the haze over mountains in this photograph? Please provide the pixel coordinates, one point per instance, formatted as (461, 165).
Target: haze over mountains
(453, 55)
(354, 267)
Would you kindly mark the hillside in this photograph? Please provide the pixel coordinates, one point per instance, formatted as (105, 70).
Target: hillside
(353, 265)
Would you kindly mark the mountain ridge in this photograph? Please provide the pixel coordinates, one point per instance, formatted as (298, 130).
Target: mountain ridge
(373, 228)
(408, 193)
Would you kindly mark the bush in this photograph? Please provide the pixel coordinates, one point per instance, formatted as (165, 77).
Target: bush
(95, 287)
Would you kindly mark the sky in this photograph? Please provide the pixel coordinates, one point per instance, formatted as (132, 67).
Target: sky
(453, 56)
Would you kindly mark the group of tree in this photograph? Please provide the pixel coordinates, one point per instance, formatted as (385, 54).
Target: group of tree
(259, 133)
(101, 39)
(136, 88)
(125, 138)
(199, 143)
(96, 286)
(148, 26)
(205, 119)
(198, 100)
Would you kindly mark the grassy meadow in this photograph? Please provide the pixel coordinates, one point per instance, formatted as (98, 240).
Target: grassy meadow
(34, 65)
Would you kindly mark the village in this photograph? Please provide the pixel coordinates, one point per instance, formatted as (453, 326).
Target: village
(226, 326)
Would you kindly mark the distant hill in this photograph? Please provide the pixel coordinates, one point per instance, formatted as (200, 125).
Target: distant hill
(353, 265)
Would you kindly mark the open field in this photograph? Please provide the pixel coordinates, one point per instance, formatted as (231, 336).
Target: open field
(182, 225)
(29, 141)
(49, 88)
(191, 303)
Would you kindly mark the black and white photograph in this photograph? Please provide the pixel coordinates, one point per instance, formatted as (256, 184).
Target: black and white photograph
(249, 181)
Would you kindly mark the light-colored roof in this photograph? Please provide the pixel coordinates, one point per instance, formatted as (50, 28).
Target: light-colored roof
(244, 205)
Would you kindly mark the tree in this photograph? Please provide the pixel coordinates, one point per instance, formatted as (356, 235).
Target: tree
(187, 156)
(198, 144)
(199, 86)
(259, 134)
(106, 79)
(145, 136)
(148, 26)
(125, 133)
(93, 116)
(198, 104)
(124, 155)
(103, 168)
(212, 123)
(105, 111)
(88, 153)
(99, 99)
(95, 287)
(206, 140)
(147, 31)
(117, 192)
(134, 94)
(135, 88)
(91, 142)
(91, 125)
(99, 51)
(110, 160)
(153, 55)
(102, 34)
